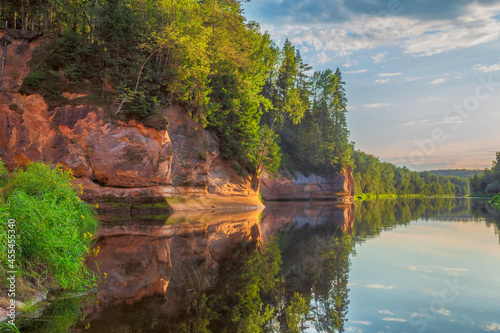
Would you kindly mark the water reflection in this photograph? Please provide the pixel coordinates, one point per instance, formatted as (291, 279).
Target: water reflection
(283, 269)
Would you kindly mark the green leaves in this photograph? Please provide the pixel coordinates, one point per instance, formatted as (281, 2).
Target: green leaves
(53, 227)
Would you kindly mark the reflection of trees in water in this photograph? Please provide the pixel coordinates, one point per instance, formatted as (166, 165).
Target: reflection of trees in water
(316, 264)
(372, 217)
(483, 210)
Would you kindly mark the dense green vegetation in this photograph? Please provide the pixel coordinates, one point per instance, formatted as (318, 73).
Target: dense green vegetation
(53, 231)
(135, 56)
(489, 182)
(495, 201)
(460, 173)
(376, 177)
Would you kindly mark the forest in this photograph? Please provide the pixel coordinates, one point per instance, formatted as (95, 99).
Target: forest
(266, 107)
(487, 183)
(135, 56)
(376, 177)
(462, 173)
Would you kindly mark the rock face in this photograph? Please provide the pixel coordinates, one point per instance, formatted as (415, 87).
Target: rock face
(19, 52)
(118, 163)
(124, 162)
(299, 187)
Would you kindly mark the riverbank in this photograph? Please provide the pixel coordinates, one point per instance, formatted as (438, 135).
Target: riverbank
(46, 234)
(495, 201)
(368, 196)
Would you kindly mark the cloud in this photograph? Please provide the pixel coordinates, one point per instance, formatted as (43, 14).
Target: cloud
(412, 268)
(424, 270)
(323, 58)
(357, 71)
(379, 57)
(343, 28)
(350, 63)
(486, 68)
(492, 327)
(443, 312)
(361, 322)
(381, 81)
(378, 286)
(375, 105)
(389, 74)
(354, 329)
(437, 81)
(411, 78)
(426, 122)
(401, 320)
(454, 271)
(386, 312)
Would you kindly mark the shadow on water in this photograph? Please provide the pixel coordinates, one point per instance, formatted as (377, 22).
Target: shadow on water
(282, 269)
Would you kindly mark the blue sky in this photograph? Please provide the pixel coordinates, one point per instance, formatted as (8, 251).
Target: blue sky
(422, 76)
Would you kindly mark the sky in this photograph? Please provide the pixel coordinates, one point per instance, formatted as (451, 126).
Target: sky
(422, 76)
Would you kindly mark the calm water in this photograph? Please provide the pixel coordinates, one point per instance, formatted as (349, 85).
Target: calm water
(406, 265)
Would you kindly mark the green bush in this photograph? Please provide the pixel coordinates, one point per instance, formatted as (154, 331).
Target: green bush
(496, 201)
(3, 174)
(54, 229)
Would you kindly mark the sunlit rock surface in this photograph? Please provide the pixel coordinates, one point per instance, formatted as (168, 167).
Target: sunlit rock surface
(313, 187)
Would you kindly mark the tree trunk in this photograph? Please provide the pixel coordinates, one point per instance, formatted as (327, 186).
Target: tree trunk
(4, 57)
(32, 21)
(47, 20)
(15, 19)
(58, 19)
(92, 33)
(23, 15)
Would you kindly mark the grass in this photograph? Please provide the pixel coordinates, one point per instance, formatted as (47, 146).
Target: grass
(8, 328)
(53, 230)
(495, 202)
(369, 196)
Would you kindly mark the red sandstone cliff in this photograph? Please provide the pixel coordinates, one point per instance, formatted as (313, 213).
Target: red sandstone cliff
(299, 187)
(118, 162)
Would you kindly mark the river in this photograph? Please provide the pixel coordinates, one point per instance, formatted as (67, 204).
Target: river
(392, 265)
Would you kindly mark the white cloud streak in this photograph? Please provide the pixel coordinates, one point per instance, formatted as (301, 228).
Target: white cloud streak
(389, 74)
(401, 320)
(357, 71)
(486, 68)
(375, 105)
(378, 286)
(437, 81)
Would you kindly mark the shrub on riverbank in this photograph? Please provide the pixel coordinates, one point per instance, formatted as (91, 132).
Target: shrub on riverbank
(53, 231)
(496, 201)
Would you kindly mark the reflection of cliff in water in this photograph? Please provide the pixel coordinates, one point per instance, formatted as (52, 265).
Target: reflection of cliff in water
(281, 216)
(176, 260)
